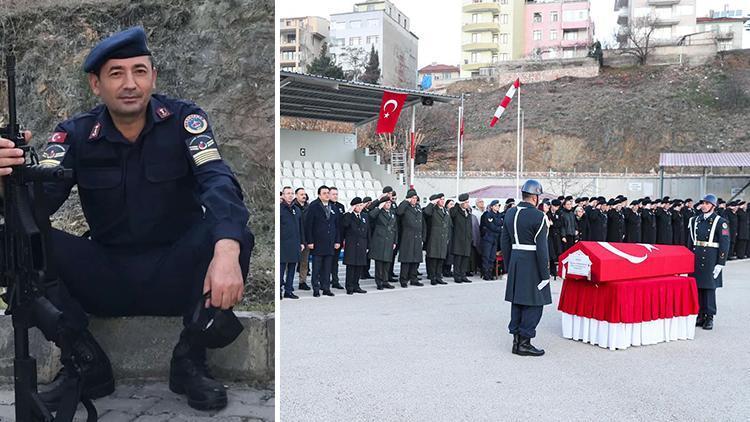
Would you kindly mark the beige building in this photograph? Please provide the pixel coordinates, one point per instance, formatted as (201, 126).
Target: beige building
(728, 31)
(673, 19)
(301, 40)
(492, 31)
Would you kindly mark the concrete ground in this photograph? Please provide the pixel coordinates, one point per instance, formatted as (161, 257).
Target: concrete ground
(153, 402)
(443, 354)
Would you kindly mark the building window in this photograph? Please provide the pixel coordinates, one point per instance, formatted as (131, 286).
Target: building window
(504, 57)
(290, 39)
(570, 35)
(474, 57)
(495, 39)
(355, 24)
(496, 18)
(503, 38)
(475, 18)
(553, 34)
(372, 39)
(338, 42)
(372, 23)
(504, 18)
(494, 58)
(338, 26)
(447, 76)
(503, 1)
(537, 35)
(475, 37)
(355, 41)
(554, 17)
(578, 15)
(537, 17)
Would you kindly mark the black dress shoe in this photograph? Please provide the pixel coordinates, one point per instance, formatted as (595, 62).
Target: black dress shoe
(337, 286)
(700, 320)
(433, 282)
(459, 281)
(525, 348)
(290, 296)
(328, 293)
(470, 274)
(303, 286)
(380, 287)
(466, 280)
(416, 283)
(359, 290)
(709, 324)
(316, 294)
(388, 285)
(440, 281)
(349, 292)
(404, 284)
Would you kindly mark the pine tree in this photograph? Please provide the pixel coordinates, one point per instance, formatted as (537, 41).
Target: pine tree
(324, 65)
(372, 69)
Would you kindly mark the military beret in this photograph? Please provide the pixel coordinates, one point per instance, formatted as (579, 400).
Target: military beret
(602, 199)
(561, 197)
(387, 189)
(612, 202)
(410, 193)
(494, 202)
(633, 202)
(689, 200)
(463, 197)
(645, 201)
(121, 45)
(578, 200)
(356, 201)
(509, 201)
(585, 198)
(568, 198)
(556, 202)
(366, 199)
(434, 196)
(656, 201)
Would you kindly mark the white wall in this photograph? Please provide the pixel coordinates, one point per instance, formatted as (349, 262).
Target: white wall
(318, 146)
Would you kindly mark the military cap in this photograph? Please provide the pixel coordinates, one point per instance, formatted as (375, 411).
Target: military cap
(545, 201)
(568, 198)
(356, 201)
(556, 202)
(602, 199)
(612, 202)
(578, 200)
(689, 200)
(509, 201)
(463, 197)
(676, 203)
(387, 189)
(741, 203)
(494, 202)
(665, 199)
(434, 196)
(366, 199)
(584, 198)
(656, 201)
(720, 201)
(121, 45)
(561, 197)
(645, 201)
(633, 202)
(410, 193)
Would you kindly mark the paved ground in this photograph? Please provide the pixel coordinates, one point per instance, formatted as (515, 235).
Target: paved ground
(443, 354)
(154, 402)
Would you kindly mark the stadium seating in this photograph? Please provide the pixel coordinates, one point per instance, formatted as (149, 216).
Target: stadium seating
(347, 177)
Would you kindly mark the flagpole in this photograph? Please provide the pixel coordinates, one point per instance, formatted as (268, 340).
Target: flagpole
(458, 144)
(518, 146)
(413, 144)
(523, 140)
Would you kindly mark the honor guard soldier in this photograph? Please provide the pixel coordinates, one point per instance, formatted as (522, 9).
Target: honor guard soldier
(525, 249)
(709, 241)
(168, 226)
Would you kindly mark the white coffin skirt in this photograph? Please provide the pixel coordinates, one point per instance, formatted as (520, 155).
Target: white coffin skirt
(615, 336)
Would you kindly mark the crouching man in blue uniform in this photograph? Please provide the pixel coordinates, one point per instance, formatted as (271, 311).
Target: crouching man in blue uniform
(708, 238)
(168, 228)
(525, 249)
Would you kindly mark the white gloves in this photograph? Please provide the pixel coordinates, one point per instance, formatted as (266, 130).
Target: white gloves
(541, 285)
(717, 270)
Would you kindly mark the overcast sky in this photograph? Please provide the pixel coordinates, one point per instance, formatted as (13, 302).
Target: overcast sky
(439, 28)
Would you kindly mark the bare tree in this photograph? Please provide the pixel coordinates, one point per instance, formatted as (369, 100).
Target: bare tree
(636, 38)
(354, 60)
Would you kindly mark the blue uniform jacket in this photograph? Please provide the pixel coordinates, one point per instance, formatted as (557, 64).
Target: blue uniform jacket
(322, 232)
(708, 257)
(290, 232)
(491, 226)
(148, 192)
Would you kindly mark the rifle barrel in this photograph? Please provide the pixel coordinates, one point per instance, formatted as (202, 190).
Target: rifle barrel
(10, 70)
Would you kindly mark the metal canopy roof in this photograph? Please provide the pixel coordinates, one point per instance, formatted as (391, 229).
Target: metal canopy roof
(717, 159)
(321, 98)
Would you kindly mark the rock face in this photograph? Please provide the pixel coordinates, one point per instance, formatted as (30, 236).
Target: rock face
(217, 53)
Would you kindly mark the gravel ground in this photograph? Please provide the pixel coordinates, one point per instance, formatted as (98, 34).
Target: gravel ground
(443, 354)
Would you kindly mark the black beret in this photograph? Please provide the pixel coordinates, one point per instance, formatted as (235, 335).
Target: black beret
(366, 199)
(509, 201)
(122, 45)
(612, 202)
(645, 201)
(656, 201)
(689, 200)
(434, 196)
(585, 198)
(560, 198)
(578, 200)
(634, 202)
(387, 189)
(463, 197)
(410, 193)
(494, 202)
(602, 199)
(665, 199)
(556, 202)
(568, 198)
(356, 201)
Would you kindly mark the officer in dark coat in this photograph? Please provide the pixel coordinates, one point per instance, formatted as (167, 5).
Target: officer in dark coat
(743, 230)
(583, 223)
(687, 212)
(366, 273)
(648, 220)
(709, 241)
(448, 264)
(338, 213)
(526, 253)
(291, 240)
(166, 217)
(355, 230)
(615, 222)
(731, 216)
(632, 216)
(439, 229)
(555, 234)
(677, 225)
(490, 228)
(323, 237)
(461, 238)
(412, 231)
(384, 238)
(663, 223)
(596, 221)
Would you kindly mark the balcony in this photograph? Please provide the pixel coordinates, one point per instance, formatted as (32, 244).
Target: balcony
(485, 6)
(287, 46)
(580, 43)
(663, 2)
(671, 21)
(288, 29)
(481, 27)
(576, 24)
(476, 66)
(480, 46)
(724, 36)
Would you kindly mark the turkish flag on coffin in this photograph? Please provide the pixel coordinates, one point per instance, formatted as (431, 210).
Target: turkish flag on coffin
(610, 261)
(390, 109)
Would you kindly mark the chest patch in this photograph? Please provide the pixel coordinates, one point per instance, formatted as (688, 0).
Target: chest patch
(53, 155)
(195, 124)
(203, 149)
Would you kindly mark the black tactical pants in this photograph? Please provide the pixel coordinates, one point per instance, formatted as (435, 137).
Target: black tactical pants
(707, 301)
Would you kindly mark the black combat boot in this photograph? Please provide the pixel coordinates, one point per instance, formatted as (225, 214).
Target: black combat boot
(709, 323)
(515, 344)
(96, 371)
(525, 348)
(188, 375)
(700, 320)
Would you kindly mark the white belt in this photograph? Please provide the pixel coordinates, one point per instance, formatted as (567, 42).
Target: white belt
(524, 247)
(706, 244)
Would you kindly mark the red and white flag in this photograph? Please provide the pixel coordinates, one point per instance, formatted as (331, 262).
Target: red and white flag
(390, 109)
(504, 104)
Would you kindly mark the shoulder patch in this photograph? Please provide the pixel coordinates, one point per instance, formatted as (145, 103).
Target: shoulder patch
(57, 137)
(203, 149)
(195, 124)
(95, 130)
(53, 155)
(163, 113)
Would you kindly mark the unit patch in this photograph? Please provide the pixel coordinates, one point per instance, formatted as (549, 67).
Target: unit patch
(203, 149)
(53, 155)
(195, 124)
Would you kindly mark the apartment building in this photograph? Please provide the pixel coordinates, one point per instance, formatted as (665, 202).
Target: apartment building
(557, 29)
(300, 41)
(492, 31)
(672, 18)
(728, 31)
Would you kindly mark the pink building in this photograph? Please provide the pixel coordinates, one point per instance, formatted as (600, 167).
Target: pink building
(557, 29)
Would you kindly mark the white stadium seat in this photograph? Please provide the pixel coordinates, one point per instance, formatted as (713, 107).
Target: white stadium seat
(358, 175)
(286, 182)
(287, 164)
(361, 193)
(355, 167)
(366, 175)
(340, 182)
(329, 182)
(299, 173)
(348, 175)
(327, 166)
(377, 185)
(309, 173)
(307, 165)
(351, 194)
(358, 184)
(319, 174)
(337, 166)
(338, 174)
(319, 182)
(372, 194)
(368, 184)
(296, 183)
(297, 164)
(287, 172)
(347, 167)
(328, 174)
(308, 184)
(318, 165)
(349, 184)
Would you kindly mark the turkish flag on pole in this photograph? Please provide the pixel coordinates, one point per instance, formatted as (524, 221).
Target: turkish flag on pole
(504, 104)
(390, 109)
